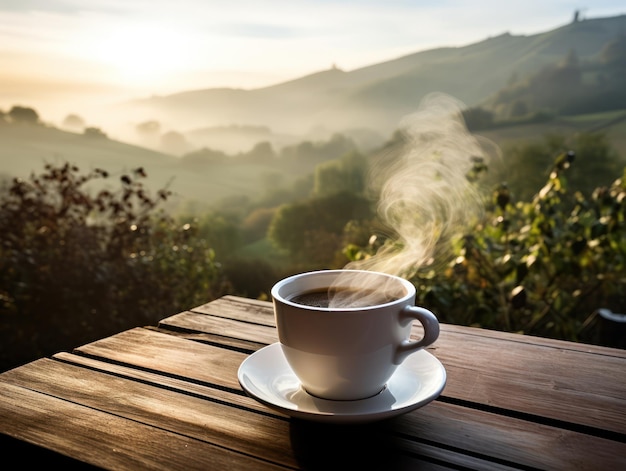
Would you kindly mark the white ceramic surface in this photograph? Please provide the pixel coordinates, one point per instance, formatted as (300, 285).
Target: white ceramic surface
(349, 353)
(266, 376)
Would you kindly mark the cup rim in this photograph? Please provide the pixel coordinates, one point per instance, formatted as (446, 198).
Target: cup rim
(276, 296)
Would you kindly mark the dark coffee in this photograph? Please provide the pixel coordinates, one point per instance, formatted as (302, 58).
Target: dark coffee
(342, 298)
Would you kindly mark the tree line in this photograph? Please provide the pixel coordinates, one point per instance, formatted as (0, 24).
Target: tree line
(78, 264)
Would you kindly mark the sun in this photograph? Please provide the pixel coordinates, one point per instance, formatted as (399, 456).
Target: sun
(140, 54)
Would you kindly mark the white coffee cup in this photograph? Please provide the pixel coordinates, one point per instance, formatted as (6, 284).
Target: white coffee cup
(348, 353)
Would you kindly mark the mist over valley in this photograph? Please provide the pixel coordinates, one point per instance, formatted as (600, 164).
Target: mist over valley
(207, 145)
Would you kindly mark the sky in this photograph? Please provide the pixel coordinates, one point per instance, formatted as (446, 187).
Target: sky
(104, 50)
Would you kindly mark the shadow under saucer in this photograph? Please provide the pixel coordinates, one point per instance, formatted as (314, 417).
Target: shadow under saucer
(372, 445)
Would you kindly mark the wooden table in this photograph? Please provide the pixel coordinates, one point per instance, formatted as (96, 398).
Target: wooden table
(167, 397)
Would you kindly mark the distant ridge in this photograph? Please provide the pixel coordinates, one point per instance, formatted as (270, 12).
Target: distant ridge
(378, 95)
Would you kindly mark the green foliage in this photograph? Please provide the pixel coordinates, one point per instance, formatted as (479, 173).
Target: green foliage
(256, 224)
(75, 267)
(569, 87)
(253, 276)
(527, 163)
(220, 230)
(203, 159)
(335, 147)
(542, 266)
(349, 174)
(596, 162)
(262, 152)
(311, 231)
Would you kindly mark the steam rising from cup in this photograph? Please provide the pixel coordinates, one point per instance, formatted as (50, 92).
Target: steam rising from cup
(425, 197)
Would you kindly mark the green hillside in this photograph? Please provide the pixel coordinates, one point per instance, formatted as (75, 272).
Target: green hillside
(612, 123)
(27, 148)
(379, 95)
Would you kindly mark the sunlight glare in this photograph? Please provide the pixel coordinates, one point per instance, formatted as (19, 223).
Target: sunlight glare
(141, 54)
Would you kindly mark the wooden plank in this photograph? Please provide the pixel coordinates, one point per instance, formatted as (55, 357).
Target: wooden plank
(168, 354)
(242, 309)
(237, 398)
(211, 421)
(511, 371)
(502, 431)
(428, 451)
(106, 440)
(533, 340)
(290, 443)
(217, 422)
(261, 312)
(220, 326)
(149, 384)
(535, 379)
(247, 346)
(514, 441)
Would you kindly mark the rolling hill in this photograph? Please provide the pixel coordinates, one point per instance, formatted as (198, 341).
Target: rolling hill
(365, 104)
(26, 149)
(378, 96)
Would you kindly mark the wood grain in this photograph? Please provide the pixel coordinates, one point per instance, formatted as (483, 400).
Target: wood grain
(509, 371)
(228, 328)
(167, 397)
(241, 309)
(255, 431)
(232, 421)
(108, 440)
(170, 355)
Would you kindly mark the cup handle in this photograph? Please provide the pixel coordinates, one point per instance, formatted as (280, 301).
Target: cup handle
(431, 331)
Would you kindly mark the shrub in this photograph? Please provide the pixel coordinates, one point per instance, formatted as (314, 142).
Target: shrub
(75, 267)
(542, 266)
(535, 267)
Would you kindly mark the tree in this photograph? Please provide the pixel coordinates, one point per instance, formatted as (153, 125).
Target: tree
(25, 115)
(204, 157)
(347, 174)
(73, 121)
(311, 231)
(148, 128)
(262, 152)
(94, 133)
(174, 143)
(614, 52)
(308, 151)
(149, 132)
(221, 231)
(256, 224)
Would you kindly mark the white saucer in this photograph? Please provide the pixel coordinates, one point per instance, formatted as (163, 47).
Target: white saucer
(266, 376)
